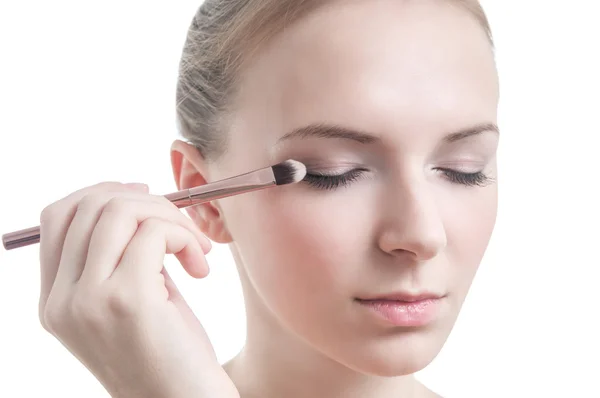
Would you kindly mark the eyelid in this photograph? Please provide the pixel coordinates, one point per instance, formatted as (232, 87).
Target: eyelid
(334, 171)
(331, 168)
(465, 165)
(324, 173)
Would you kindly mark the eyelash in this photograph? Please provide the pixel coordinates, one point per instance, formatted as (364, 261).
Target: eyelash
(327, 181)
(468, 179)
(331, 182)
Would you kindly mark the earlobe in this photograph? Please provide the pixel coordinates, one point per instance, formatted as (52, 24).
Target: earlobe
(191, 170)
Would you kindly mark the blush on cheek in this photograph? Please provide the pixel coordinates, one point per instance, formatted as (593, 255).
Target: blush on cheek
(469, 227)
(308, 246)
(300, 248)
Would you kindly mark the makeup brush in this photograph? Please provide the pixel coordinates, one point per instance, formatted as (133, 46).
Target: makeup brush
(284, 173)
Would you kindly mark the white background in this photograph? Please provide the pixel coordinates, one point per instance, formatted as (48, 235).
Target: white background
(87, 94)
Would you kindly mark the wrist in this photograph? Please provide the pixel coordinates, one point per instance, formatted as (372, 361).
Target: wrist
(213, 383)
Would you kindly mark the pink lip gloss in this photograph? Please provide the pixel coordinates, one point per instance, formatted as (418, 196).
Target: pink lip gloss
(404, 313)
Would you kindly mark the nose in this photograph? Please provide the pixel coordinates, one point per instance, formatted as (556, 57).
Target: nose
(412, 224)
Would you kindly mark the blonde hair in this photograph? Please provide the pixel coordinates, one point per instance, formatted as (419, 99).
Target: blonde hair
(223, 34)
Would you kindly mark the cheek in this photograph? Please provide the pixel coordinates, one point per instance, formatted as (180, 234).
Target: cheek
(469, 225)
(296, 246)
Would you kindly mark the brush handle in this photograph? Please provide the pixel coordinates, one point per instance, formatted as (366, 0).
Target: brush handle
(31, 236)
(24, 237)
(249, 182)
(181, 199)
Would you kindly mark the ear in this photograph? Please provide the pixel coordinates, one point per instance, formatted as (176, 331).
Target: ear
(190, 170)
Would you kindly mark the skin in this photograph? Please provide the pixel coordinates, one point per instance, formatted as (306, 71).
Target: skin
(409, 74)
(105, 295)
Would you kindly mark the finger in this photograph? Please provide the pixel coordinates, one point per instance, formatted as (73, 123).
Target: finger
(77, 240)
(143, 257)
(119, 222)
(54, 224)
(175, 296)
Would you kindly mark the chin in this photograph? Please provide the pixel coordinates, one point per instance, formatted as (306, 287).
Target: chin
(386, 367)
(392, 356)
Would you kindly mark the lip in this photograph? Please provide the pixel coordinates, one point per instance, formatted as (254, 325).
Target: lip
(404, 309)
(403, 296)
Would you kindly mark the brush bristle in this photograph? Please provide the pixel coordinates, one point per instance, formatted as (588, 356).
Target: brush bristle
(289, 172)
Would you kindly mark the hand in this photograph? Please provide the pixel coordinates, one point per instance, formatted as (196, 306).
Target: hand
(107, 298)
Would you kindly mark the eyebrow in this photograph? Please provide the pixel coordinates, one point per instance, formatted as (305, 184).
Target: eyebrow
(330, 131)
(471, 131)
(333, 131)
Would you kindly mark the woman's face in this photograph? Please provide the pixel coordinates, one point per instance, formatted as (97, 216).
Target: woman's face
(392, 106)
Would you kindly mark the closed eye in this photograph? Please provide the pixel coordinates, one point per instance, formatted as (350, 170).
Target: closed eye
(332, 181)
(468, 179)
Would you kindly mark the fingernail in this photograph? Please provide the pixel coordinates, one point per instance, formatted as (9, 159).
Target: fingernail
(208, 244)
(205, 243)
(138, 186)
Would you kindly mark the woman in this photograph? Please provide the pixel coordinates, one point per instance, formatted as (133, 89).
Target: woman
(353, 278)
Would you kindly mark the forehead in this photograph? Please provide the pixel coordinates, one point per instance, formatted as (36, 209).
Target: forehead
(380, 65)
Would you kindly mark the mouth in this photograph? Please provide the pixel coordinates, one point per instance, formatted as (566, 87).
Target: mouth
(404, 309)
(403, 297)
